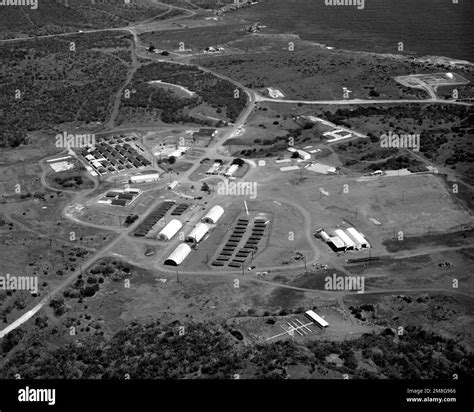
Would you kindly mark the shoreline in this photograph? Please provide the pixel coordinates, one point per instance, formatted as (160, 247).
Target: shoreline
(431, 59)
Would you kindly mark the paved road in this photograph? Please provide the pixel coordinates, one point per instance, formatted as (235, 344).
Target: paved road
(260, 98)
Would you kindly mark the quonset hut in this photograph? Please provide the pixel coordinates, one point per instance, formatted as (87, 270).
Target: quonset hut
(170, 230)
(345, 238)
(360, 240)
(213, 215)
(178, 255)
(198, 233)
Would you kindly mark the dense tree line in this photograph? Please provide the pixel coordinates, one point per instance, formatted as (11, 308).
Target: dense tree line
(217, 93)
(211, 351)
(44, 85)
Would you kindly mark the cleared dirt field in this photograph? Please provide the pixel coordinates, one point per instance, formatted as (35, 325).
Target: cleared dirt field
(426, 271)
(412, 204)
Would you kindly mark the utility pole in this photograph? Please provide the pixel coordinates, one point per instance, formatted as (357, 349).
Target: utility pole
(177, 274)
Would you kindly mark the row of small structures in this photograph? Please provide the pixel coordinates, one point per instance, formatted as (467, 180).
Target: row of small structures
(112, 157)
(234, 256)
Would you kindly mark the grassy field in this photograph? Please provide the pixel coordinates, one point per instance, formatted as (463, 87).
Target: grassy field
(195, 40)
(268, 62)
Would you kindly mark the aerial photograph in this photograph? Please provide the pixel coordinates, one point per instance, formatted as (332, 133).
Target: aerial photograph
(259, 201)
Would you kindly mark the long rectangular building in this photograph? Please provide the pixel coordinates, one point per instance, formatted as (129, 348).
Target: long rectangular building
(316, 319)
(345, 238)
(360, 240)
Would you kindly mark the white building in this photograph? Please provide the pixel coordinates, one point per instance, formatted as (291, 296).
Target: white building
(172, 185)
(213, 169)
(316, 319)
(346, 239)
(231, 170)
(198, 233)
(213, 215)
(360, 240)
(178, 255)
(143, 178)
(324, 236)
(337, 243)
(320, 168)
(301, 153)
(170, 230)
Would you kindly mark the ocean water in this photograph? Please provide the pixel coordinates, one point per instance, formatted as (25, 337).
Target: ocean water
(426, 27)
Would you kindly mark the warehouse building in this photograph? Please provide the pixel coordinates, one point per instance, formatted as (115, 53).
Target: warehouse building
(359, 239)
(143, 178)
(345, 238)
(316, 319)
(231, 170)
(178, 255)
(336, 244)
(198, 233)
(170, 230)
(213, 215)
(324, 236)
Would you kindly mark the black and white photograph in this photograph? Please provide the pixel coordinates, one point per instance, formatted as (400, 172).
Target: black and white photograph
(236, 203)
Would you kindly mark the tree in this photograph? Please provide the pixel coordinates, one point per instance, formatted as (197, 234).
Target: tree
(239, 162)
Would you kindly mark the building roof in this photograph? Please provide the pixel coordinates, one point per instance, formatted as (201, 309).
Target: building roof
(325, 236)
(147, 176)
(170, 229)
(231, 170)
(357, 236)
(198, 232)
(205, 132)
(119, 202)
(214, 214)
(317, 318)
(178, 255)
(345, 238)
(337, 242)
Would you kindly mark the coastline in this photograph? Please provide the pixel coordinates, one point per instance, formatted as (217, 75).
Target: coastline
(431, 59)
